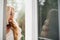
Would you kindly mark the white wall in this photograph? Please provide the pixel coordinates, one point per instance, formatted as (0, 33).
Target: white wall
(1, 19)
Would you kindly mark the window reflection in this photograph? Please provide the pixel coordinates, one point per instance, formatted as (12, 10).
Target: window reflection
(48, 20)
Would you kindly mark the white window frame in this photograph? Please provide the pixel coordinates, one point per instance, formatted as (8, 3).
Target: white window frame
(1, 19)
(35, 20)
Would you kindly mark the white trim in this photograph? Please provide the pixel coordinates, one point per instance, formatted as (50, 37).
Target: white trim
(28, 19)
(1, 19)
(35, 20)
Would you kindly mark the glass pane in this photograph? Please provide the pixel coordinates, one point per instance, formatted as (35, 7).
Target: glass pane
(48, 28)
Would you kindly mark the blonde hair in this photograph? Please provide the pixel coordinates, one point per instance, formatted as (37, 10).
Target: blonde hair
(10, 11)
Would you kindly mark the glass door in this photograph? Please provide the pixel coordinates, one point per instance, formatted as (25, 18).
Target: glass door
(48, 27)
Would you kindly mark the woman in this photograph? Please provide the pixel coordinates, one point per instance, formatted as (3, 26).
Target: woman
(13, 31)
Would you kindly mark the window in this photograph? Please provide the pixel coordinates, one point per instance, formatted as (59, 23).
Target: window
(48, 20)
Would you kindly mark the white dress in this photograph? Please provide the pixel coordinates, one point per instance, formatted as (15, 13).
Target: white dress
(9, 36)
